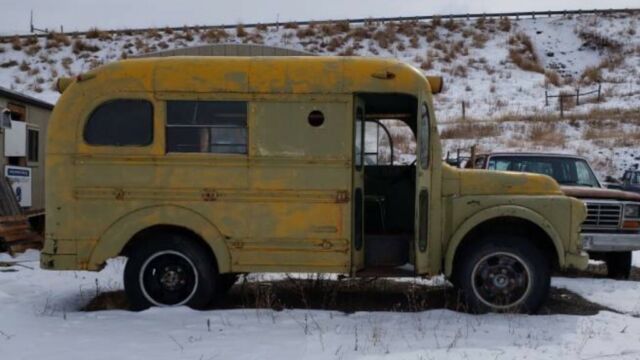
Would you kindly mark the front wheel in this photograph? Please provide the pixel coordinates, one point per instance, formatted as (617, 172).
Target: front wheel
(503, 273)
(169, 270)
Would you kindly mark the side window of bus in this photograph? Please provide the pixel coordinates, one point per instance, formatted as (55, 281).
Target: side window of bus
(123, 122)
(207, 127)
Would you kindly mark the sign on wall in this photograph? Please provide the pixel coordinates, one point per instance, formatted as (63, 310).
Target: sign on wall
(20, 179)
(15, 139)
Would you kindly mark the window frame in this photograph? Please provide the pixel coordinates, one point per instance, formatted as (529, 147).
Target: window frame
(166, 125)
(36, 130)
(102, 102)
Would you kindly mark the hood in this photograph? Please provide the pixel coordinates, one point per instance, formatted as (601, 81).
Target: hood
(487, 182)
(583, 192)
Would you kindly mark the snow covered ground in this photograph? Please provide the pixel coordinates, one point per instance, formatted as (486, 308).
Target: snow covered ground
(40, 318)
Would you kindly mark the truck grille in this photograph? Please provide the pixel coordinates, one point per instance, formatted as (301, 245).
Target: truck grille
(603, 216)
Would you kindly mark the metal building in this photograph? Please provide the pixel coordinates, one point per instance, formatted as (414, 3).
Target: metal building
(22, 142)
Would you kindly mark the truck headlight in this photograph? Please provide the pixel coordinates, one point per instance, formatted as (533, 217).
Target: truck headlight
(631, 211)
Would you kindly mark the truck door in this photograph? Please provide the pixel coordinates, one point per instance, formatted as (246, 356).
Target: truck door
(424, 190)
(357, 243)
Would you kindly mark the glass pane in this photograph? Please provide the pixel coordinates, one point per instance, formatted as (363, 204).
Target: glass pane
(207, 126)
(424, 136)
(359, 138)
(219, 113)
(121, 123)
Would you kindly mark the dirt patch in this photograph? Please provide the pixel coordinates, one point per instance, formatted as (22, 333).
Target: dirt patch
(350, 295)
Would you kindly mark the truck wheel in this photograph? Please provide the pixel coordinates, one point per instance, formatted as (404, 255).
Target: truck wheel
(618, 265)
(503, 273)
(170, 270)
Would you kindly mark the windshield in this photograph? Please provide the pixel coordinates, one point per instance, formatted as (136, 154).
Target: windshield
(566, 171)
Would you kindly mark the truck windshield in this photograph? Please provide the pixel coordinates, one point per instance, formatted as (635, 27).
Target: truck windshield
(565, 170)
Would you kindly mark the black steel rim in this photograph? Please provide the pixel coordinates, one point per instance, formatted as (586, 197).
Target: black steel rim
(501, 280)
(168, 279)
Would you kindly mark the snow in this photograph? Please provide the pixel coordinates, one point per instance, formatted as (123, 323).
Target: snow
(623, 296)
(40, 318)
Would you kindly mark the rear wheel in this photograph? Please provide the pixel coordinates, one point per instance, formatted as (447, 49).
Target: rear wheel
(503, 273)
(618, 265)
(170, 269)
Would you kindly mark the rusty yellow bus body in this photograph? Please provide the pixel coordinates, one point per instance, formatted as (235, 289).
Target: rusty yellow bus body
(287, 204)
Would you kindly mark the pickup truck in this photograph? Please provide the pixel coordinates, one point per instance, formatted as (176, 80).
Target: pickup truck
(612, 228)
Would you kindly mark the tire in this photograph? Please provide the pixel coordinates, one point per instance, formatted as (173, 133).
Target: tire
(502, 273)
(618, 265)
(170, 269)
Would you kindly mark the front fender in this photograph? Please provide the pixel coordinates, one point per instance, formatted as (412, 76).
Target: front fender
(113, 240)
(498, 212)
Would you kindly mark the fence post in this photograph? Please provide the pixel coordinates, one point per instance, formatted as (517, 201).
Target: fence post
(599, 86)
(561, 106)
(463, 110)
(577, 96)
(546, 98)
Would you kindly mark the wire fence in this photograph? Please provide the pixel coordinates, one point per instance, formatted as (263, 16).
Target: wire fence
(577, 94)
(468, 16)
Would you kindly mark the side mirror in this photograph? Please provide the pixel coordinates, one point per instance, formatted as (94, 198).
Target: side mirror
(5, 120)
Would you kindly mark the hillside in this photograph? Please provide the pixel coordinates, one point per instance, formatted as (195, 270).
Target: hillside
(499, 68)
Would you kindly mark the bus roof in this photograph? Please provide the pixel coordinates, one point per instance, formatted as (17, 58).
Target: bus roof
(292, 75)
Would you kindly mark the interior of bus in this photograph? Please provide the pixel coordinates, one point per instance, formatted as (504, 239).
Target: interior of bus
(389, 180)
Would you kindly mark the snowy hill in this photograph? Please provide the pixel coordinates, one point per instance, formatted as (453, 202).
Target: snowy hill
(499, 68)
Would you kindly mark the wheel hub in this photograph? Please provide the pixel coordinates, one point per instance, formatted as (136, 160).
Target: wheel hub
(168, 278)
(501, 280)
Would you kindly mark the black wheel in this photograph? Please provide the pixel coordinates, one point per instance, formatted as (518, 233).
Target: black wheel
(502, 273)
(170, 269)
(618, 265)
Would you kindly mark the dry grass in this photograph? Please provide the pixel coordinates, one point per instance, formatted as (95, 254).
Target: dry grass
(95, 33)
(470, 130)
(590, 75)
(479, 39)
(291, 25)
(80, 46)
(214, 35)
(240, 31)
(56, 40)
(552, 77)
(32, 50)
(16, 43)
(24, 66)
(387, 36)
(306, 32)
(522, 53)
(504, 24)
(546, 134)
(599, 41)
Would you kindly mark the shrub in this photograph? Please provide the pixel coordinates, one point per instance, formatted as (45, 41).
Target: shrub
(305, 32)
(56, 40)
(386, 37)
(552, 77)
(451, 25)
(95, 33)
(360, 33)
(240, 31)
(479, 39)
(214, 35)
(32, 50)
(599, 41)
(341, 26)
(262, 27)
(24, 66)
(436, 21)
(80, 46)
(8, 64)
(590, 75)
(522, 53)
(153, 34)
(504, 24)
(291, 25)
(16, 44)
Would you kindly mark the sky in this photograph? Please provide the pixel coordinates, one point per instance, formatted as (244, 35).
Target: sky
(117, 14)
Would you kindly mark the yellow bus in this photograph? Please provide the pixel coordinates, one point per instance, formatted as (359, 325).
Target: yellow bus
(198, 169)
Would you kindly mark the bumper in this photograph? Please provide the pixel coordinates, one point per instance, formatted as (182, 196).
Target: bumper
(610, 242)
